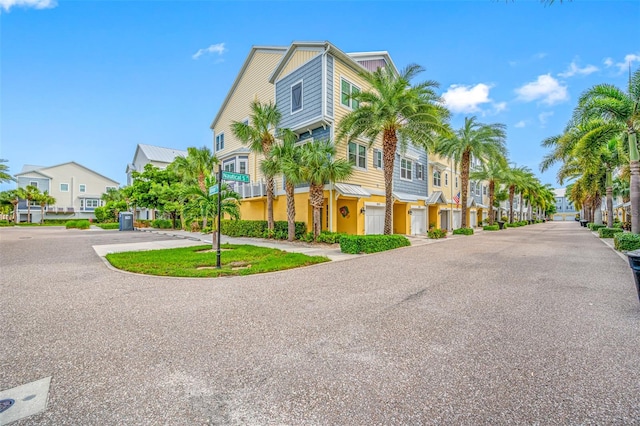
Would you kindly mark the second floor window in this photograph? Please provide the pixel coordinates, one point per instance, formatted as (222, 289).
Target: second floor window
(406, 166)
(83, 187)
(377, 158)
(436, 178)
(446, 179)
(64, 187)
(358, 155)
(419, 172)
(296, 97)
(220, 142)
(346, 90)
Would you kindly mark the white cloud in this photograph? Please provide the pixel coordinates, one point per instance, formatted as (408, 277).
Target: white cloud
(607, 62)
(544, 117)
(520, 124)
(214, 48)
(36, 4)
(575, 69)
(499, 107)
(628, 60)
(546, 89)
(461, 98)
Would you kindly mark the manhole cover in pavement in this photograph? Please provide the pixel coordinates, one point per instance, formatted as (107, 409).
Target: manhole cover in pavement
(5, 404)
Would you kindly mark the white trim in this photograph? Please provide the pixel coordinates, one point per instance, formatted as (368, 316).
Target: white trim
(215, 142)
(333, 93)
(62, 183)
(80, 185)
(301, 82)
(366, 155)
(352, 85)
(410, 169)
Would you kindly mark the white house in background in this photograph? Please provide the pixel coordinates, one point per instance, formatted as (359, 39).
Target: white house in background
(150, 154)
(76, 188)
(564, 207)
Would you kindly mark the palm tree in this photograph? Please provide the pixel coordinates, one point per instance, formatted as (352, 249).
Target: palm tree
(512, 177)
(482, 141)
(258, 135)
(4, 172)
(317, 167)
(285, 158)
(44, 199)
(622, 110)
(208, 204)
(195, 168)
(491, 172)
(30, 193)
(401, 112)
(527, 183)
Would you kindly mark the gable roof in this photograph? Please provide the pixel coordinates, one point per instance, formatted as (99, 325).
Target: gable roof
(347, 58)
(42, 170)
(158, 153)
(254, 49)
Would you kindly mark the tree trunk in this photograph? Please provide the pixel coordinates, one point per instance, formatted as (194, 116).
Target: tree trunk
(15, 211)
(316, 194)
(609, 199)
(492, 185)
(512, 193)
(291, 211)
(389, 144)
(464, 165)
(521, 205)
(28, 211)
(270, 191)
(41, 214)
(634, 185)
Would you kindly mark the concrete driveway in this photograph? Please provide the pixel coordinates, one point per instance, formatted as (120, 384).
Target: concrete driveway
(532, 325)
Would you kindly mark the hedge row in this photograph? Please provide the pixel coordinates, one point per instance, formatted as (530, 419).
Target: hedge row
(626, 241)
(491, 228)
(608, 232)
(78, 224)
(109, 225)
(161, 224)
(595, 226)
(356, 244)
(463, 231)
(259, 229)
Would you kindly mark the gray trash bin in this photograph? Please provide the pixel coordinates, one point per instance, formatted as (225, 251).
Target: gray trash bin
(126, 221)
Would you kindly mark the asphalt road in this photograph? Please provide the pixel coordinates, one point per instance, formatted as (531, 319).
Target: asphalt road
(534, 325)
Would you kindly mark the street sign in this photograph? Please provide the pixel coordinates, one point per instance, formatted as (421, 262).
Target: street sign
(213, 190)
(239, 177)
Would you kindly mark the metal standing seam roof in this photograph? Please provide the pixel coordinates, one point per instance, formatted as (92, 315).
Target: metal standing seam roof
(436, 197)
(158, 153)
(351, 190)
(403, 196)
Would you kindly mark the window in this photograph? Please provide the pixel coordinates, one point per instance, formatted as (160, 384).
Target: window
(377, 158)
(229, 166)
(456, 181)
(357, 155)
(406, 167)
(83, 187)
(64, 187)
(446, 179)
(110, 187)
(89, 203)
(243, 165)
(436, 178)
(220, 142)
(346, 90)
(484, 190)
(419, 172)
(296, 97)
(33, 183)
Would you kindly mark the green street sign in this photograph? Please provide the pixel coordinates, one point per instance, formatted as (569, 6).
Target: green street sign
(238, 177)
(213, 190)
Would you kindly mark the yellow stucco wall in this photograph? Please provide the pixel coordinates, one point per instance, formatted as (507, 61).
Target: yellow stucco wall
(347, 215)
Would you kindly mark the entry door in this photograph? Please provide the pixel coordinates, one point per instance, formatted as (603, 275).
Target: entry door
(444, 219)
(473, 218)
(418, 221)
(374, 220)
(457, 219)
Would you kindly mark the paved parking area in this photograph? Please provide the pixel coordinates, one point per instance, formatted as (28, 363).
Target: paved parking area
(533, 325)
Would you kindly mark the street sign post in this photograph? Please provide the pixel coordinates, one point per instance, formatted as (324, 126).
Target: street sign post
(213, 190)
(238, 177)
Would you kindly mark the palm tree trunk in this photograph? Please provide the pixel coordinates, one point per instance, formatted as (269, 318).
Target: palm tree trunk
(634, 186)
(521, 205)
(464, 165)
(389, 144)
(492, 185)
(15, 211)
(270, 191)
(41, 214)
(316, 194)
(511, 195)
(28, 211)
(609, 199)
(291, 211)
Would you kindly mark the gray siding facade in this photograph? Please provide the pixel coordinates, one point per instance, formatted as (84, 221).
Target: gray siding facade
(43, 183)
(414, 186)
(329, 84)
(311, 76)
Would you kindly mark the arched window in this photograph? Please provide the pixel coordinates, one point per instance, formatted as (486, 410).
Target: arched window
(436, 178)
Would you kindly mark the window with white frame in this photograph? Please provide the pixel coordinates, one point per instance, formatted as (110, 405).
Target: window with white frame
(229, 166)
(446, 179)
(419, 172)
(296, 97)
(82, 188)
(377, 158)
(89, 203)
(406, 168)
(64, 187)
(220, 142)
(33, 183)
(484, 190)
(357, 154)
(436, 178)
(243, 165)
(347, 89)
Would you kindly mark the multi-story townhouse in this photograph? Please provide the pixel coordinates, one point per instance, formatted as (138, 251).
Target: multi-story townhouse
(564, 207)
(76, 189)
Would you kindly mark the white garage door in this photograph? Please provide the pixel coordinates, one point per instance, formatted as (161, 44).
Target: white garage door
(558, 217)
(374, 220)
(457, 219)
(418, 221)
(473, 218)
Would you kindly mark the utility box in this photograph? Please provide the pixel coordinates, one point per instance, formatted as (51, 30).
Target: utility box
(126, 221)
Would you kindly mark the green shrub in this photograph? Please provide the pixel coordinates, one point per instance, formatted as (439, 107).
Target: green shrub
(491, 228)
(625, 241)
(259, 229)
(608, 232)
(436, 233)
(463, 231)
(511, 225)
(4, 222)
(70, 224)
(108, 225)
(78, 224)
(161, 224)
(595, 226)
(356, 244)
(617, 224)
(523, 222)
(55, 221)
(330, 237)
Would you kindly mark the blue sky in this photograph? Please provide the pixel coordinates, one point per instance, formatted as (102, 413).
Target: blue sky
(87, 81)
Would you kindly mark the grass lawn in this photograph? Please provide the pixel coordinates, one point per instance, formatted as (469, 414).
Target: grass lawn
(200, 261)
